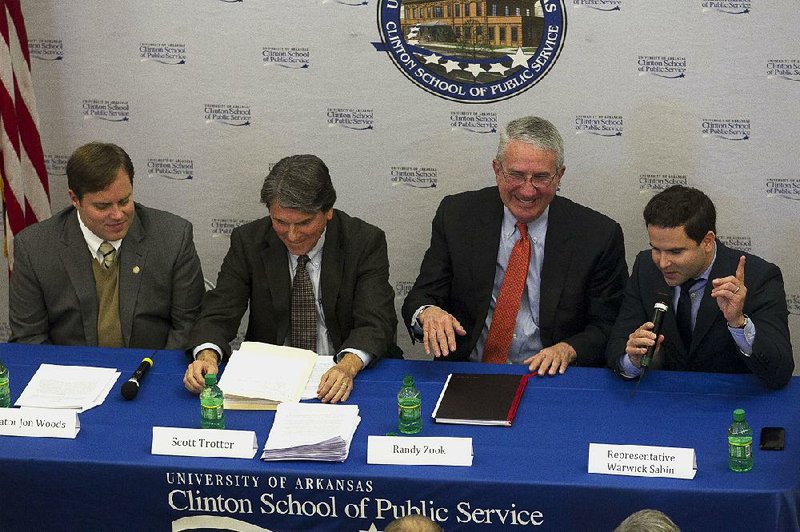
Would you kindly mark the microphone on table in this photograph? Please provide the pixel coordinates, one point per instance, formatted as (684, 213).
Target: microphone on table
(131, 387)
(659, 310)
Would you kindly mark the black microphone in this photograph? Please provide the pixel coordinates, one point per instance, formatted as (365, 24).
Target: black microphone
(131, 387)
(659, 310)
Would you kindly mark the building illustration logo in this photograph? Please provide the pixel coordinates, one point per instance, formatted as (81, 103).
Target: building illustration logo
(599, 5)
(473, 52)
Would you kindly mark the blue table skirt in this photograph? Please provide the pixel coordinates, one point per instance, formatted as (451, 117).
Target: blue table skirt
(533, 474)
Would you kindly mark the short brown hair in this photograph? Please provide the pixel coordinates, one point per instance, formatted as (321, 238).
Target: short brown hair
(94, 166)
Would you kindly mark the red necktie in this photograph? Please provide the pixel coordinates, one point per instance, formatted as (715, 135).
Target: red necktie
(504, 319)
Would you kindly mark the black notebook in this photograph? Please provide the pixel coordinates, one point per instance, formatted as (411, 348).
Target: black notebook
(480, 399)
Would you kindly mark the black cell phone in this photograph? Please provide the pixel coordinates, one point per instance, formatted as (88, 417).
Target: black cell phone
(772, 438)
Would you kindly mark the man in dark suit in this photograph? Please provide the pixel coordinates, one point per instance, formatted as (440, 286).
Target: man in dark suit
(105, 271)
(736, 323)
(568, 285)
(344, 259)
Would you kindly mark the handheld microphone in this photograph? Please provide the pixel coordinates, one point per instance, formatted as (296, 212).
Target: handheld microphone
(131, 387)
(659, 310)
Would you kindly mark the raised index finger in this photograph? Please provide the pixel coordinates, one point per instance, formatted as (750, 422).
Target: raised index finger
(740, 269)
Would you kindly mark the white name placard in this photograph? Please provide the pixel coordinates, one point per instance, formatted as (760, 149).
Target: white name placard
(204, 442)
(39, 422)
(642, 461)
(398, 450)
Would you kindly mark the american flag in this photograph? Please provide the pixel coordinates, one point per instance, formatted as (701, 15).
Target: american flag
(26, 198)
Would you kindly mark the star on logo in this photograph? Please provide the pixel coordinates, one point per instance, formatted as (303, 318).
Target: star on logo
(371, 528)
(475, 69)
(451, 65)
(519, 58)
(499, 68)
(433, 58)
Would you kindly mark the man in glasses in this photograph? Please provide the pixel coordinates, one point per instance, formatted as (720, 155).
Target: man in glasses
(515, 274)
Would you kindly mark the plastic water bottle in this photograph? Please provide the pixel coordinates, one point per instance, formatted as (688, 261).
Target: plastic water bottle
(212, 413)
(740, 443)
(5, 392)
(409, 407)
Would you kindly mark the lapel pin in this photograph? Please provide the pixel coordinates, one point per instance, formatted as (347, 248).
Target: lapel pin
(136, 269)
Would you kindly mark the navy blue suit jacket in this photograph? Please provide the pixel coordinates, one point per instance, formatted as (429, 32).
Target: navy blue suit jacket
(713, 349)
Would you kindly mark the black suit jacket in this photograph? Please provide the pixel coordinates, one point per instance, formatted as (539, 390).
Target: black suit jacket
(583, 273)
(357, 299)
(713, 349)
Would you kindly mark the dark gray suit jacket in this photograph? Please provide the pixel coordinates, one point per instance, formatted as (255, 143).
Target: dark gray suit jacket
(357, 299)
(52, 296)
(583, 273)
(713, 349)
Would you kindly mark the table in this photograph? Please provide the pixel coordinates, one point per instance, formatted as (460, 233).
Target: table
(531, 475)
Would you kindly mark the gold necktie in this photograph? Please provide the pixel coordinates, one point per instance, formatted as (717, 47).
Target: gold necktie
(109, 253)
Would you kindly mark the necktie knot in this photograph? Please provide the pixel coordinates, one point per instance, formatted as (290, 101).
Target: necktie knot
(523, 230)
(109, 254)
(687, 285)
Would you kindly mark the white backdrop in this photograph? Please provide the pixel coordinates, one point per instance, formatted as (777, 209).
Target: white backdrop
(206, 94)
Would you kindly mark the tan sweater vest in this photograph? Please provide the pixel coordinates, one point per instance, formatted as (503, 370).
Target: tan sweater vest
(106, 282)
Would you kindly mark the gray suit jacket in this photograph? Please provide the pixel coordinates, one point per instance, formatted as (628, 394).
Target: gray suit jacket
(357, 299)
(583, 274)
(52, 296)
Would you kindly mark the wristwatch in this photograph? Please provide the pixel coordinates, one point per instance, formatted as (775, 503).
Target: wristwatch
(746, 321)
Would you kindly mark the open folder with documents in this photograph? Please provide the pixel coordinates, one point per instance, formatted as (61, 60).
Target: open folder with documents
(258, 376)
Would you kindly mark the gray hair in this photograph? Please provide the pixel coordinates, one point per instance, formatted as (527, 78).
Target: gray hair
(647, 521)
(535, 131)
(413, 523)
(300, 182)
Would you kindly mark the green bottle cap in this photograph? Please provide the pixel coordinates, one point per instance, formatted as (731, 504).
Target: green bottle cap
(211, 379)
(408, 380)
(738, 415)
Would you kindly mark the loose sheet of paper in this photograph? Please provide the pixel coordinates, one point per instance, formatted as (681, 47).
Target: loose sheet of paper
(78, 387)
(265, 371)
(324, 363)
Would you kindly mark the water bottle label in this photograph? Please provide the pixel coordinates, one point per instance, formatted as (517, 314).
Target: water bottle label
(740, 450)
(213, 412)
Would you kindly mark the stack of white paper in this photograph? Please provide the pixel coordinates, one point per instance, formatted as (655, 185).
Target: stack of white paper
(77, 387)
(311, 431)
(259, 376)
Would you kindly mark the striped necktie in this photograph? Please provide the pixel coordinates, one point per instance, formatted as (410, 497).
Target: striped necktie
(109, 253)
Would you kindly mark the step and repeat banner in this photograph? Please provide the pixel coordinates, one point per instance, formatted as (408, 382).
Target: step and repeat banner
(403, 100)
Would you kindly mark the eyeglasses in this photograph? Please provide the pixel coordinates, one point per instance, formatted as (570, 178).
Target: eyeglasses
(536, 180)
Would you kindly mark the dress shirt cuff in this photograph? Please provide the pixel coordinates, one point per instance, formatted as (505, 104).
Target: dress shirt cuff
(627, 368)
(365, 357)
(208, 345)
(744, 337)
(414, 325)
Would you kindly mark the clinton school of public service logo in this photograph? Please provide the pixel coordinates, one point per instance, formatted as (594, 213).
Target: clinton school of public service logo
(473, 52)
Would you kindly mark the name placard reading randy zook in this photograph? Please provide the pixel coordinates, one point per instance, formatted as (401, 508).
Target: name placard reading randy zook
(204, 442)
(39, 422)
(396, 450)
(642, 461)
